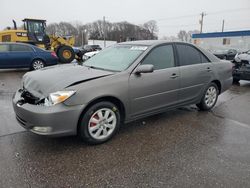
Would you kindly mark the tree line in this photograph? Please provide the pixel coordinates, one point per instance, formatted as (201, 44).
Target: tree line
(98, 30)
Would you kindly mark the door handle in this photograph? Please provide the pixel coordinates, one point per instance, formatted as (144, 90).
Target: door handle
(209, 69)
(174, 75)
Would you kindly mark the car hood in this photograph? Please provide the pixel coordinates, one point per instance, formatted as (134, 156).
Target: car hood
(42, 82)
(244, 56)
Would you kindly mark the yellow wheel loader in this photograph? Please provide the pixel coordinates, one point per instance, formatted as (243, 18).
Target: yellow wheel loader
(34, 33)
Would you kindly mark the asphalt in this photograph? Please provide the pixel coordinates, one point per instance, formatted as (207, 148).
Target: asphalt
(180, 148)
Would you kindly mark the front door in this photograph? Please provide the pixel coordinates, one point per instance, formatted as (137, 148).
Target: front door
(4, 54)
(150, 92)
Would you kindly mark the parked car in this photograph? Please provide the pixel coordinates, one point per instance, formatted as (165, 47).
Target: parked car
(86, 51)
(91, 48)
(226, 54)
(19, 55)
(88, 55)
(241, 70)
(244, 56)
(118, 85)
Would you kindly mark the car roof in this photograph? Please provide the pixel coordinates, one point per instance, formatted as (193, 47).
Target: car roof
(19, 43)
(25, 44)
(151, 42)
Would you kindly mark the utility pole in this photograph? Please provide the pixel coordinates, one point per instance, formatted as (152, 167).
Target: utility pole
(82, 38)
(104, 31)
(201, 21)
(223, 25)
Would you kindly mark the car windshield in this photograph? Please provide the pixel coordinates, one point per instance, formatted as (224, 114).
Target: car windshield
(116, 58)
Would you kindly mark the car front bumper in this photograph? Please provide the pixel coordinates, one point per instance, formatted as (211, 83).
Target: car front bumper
(242, 74)
(58, 120)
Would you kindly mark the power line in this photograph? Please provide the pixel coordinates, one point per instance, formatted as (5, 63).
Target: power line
(197, 14)
(186, 25)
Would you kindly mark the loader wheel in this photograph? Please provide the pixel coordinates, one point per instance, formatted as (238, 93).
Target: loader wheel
(65, 54)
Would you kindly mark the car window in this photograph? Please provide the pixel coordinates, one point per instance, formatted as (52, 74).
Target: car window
(161, 57)
(188, 55)
(4, 48)
(204, 59)
(20, 48)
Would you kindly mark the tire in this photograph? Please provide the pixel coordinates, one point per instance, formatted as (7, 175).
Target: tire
(65, 54)
(37, 64)
(208, 101)
(103, 128)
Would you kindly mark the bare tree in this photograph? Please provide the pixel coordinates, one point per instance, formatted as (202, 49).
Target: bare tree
(152, 27)
(186, 36)
(52, 29)
(183, 35)
(120, 31)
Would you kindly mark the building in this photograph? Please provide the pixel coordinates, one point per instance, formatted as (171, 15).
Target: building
(239, 40)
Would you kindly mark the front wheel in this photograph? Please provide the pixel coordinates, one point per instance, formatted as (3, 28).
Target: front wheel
(209, 98)
(99, 123)
(65, 54)
(37, 64)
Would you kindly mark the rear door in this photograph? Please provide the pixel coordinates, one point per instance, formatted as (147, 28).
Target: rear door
(195, 72)
(4, 54)
(20, 55)
(153, 91)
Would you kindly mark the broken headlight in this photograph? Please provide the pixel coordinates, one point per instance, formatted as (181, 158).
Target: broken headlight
(58, 97)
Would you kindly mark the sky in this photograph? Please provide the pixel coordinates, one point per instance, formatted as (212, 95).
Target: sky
(171, 15)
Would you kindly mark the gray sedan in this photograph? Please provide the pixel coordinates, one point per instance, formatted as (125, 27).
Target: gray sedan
(120, 84)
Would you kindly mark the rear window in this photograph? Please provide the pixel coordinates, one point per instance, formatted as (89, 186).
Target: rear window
(189, 55)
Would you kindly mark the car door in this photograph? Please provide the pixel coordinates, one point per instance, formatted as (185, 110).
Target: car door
(20, 55)
(149, 92)
(195, 72)
(4, 54)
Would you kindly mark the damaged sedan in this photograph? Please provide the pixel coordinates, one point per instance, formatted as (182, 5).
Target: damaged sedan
(120, 84)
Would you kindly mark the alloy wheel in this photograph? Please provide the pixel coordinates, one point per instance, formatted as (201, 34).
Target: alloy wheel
(37, 64)
(102, 123)
(211, 96)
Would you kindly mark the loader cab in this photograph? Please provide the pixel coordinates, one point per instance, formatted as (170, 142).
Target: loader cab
(36, 31)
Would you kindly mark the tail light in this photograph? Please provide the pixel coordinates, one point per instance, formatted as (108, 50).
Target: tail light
(54, 54)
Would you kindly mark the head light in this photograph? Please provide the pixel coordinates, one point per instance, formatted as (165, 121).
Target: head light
(84, 57)
(58, 97)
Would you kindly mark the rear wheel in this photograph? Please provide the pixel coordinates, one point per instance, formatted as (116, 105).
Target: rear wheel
(209, 98)
(99, 123)
(65, 54)
(37, 64)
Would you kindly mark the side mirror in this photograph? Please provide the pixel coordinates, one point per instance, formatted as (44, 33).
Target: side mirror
(144, 69)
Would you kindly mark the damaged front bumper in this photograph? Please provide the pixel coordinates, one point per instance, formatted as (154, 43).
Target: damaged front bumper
(57, 120)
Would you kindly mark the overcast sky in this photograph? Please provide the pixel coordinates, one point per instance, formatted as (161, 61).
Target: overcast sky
(171, 15)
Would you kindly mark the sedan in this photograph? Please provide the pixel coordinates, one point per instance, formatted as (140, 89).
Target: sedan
(19, 55)
(226, 54)
(243, 57)
(118, 85)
